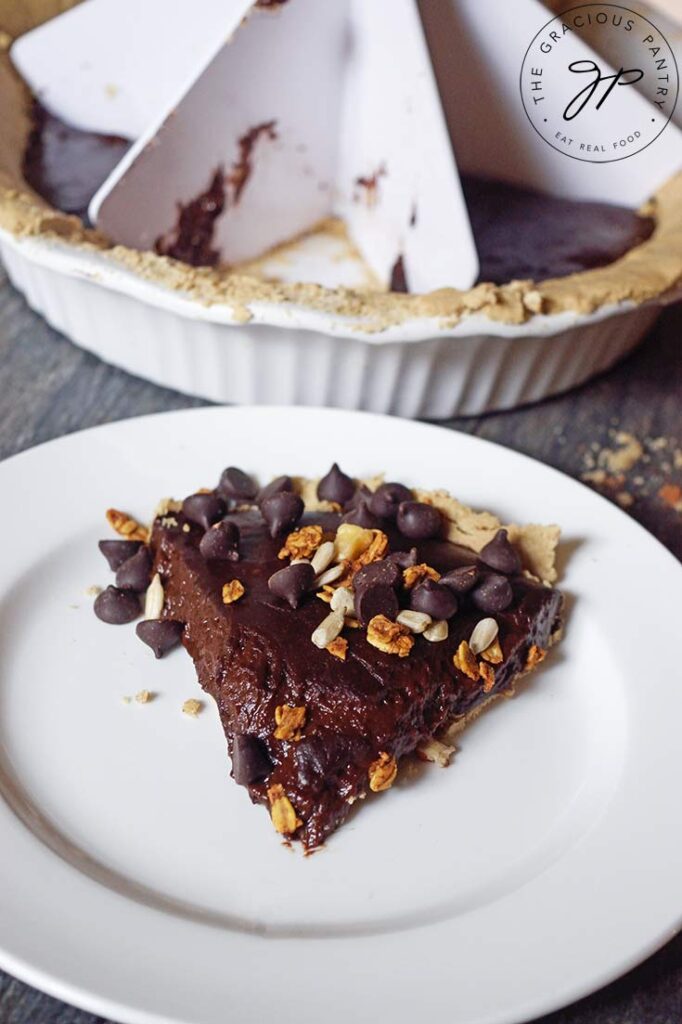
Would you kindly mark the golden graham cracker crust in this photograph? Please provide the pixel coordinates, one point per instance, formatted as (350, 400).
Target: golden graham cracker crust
(536, 544)
(645, 273)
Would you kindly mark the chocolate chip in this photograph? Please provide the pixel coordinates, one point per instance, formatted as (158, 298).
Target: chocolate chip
(461, 580)
(384, 571)
(117, 606)
(282, 511)
(292, 583)
(250, 760)
(204, 509)
(336, 486)
(362, 495)
(434, 599)
(160, 634)
(403, 559)
(494, 594)
(236, 485)
(221, 541)
(377, 599)
(361, 516)
(136, 573)
(500, 554)
(117, 552)
(276, 486)
(418, 521)
(386, 499)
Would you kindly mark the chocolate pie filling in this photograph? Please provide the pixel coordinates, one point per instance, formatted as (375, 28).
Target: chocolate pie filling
(519, 233)
(255, 655)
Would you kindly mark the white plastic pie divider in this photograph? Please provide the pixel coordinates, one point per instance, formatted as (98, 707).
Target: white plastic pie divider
(316, 109)
(487, 120)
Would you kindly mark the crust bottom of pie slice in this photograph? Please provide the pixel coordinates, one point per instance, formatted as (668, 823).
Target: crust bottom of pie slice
(255, 656)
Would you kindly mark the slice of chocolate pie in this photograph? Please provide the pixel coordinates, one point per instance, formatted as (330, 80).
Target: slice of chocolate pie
(339, 628)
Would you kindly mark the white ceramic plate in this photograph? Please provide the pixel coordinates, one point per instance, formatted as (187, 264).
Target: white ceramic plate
(139, 882)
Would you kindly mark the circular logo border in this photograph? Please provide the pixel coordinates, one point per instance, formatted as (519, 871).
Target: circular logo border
(557, 17)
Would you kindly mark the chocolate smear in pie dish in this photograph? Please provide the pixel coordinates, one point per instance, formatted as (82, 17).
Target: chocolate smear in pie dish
(191, 240)
(332, 650)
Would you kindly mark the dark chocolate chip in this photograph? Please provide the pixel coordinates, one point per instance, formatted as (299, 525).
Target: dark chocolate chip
(418, 521)
(236, 485)
(384, 571)
(403, 559)
(204, 509)
(376, 599)
(117, 606)
(160, 634)
(434, 599)
(361, 516)
(494, 594)
(250, 760)
(292, 583)
(461, 580)
(136, 573)
(221, 541)
(336, 486)
(386, 499)
(501, 555)
(276, 486)
(362, 494)
(117, 552)
(282, 511)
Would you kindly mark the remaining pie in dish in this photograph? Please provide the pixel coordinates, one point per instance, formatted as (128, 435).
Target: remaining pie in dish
(340, 626)
(538, 254)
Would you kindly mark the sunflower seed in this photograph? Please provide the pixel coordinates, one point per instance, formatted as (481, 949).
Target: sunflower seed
(153, 599)
(437, 631)
(342, 601)
(323, 557)
(483, 635)
(328, 630)
(416, 622)
(331, 575)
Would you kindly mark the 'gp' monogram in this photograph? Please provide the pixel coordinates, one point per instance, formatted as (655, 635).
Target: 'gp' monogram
(582, 67)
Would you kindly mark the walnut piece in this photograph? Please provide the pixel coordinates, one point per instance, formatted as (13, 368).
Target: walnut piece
(232, 591)
(192, 707)
(126, 526)
(535, 656)
(282, 811)
(390, 637)
(290, 721)
(375, 552)
(465, 661)
(488, 676)
(414, 574)
(382, 772)
(339, 648)
(351, 541)
(302, 543)
(144, 697)
(493, 653)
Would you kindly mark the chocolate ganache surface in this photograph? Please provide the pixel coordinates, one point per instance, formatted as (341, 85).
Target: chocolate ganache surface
(519, 233)
(255, 655)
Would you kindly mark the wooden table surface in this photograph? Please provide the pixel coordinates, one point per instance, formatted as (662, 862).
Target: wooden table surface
(48, 388)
